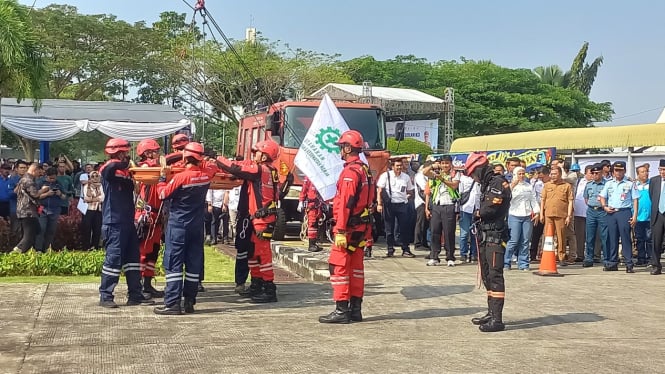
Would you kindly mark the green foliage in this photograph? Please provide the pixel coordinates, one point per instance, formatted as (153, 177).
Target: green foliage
(580, 76)
(408, 146)
(51, 263)
(489, 99)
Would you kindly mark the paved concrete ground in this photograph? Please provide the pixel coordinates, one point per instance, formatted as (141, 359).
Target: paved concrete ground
(417, 320)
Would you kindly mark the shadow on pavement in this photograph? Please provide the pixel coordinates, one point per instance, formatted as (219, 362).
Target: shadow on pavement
(552, 320)
(289, 295)
(429, 291)
(427, 313)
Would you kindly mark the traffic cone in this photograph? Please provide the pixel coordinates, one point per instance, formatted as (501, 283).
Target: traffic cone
(548, 258)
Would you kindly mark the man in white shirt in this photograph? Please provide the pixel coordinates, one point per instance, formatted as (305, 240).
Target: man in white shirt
(232, 197)
(394, 188)
(579, 211)
(216, 207)
(422, 223)
(468, 246)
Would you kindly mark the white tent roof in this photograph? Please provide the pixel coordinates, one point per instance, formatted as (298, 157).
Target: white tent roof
(396, 101)
(60, 119)
(385, 93)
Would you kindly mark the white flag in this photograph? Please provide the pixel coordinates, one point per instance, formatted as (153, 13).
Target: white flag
(318, 156)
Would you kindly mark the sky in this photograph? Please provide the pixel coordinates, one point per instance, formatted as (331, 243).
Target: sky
(511, 33)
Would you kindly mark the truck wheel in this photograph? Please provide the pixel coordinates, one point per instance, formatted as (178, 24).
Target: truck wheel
(280, 226)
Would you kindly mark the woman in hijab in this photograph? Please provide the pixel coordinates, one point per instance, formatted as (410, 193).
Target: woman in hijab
(91, 226)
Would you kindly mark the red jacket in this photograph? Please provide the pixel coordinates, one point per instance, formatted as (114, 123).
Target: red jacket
(261, 184)
(147, 193)
(308, 191)
(355, 193)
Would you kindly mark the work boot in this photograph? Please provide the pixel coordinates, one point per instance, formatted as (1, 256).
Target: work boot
(110, 304)
(484, 319)
(495, 323)
(201, 288)
(355, 305)
(368, 252)
(189, 306)
(339, 315)
(254, 288)
(174, 310)
(313, 247)
(268, 295)
(149, 289)
(142, 301)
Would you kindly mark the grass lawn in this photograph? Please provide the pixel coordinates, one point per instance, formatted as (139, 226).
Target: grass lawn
(218, 268)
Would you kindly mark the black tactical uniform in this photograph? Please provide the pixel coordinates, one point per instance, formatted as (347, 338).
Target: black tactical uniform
(493, 233)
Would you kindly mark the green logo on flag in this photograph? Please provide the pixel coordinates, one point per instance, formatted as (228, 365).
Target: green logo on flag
(326, 138)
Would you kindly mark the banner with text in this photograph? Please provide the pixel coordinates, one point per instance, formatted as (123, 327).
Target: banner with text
(426, 130)
(534, 157)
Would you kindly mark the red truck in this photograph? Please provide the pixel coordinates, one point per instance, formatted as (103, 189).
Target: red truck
(287, 123)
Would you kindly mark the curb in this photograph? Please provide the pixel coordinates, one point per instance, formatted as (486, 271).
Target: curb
(301, 262)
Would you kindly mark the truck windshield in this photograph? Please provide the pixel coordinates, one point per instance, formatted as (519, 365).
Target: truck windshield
(370, 123)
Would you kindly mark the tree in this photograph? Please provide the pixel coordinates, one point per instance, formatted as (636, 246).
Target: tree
(22, 72)
(489, 98)
(580, 76)
(90, 57)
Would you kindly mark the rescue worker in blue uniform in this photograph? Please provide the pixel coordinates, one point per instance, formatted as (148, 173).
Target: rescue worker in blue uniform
(184, 231)
(619, 198)
(120, 238)
(490, 223)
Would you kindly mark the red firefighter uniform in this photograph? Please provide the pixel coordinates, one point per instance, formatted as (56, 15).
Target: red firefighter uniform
(149, 207)
(261, 184)
(351, 212)
(312, 201)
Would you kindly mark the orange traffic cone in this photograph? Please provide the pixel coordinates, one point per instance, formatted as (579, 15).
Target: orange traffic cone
(548, 258)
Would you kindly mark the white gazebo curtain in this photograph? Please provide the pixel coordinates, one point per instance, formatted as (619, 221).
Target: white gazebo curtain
(52, 129)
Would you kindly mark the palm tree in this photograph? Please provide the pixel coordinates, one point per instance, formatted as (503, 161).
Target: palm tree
(580, 76)
(22, 71)
(552, 75)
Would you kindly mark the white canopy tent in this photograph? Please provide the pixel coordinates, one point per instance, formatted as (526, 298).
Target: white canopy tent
(60, 119)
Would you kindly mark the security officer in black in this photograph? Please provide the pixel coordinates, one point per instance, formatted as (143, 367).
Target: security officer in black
(491, 224)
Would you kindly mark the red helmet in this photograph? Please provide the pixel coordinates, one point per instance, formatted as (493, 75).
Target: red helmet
(115, 145)
(474, 161)
(352, 138)
(268, 148)
(179, 141)
(194, 150)
(147, 145)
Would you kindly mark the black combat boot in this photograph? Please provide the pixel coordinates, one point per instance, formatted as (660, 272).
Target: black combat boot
(268, 295)
(495, 323)
(313, 247)
(149, 289)
(339, 315)
(356, 309)
(484, 319)
(254, 288)
(189, 306)
(368, 252)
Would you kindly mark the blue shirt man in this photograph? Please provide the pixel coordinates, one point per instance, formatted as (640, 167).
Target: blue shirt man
(619, 198)
(643, 239)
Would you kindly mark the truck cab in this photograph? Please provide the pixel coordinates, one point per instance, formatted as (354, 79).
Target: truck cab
(287, 123)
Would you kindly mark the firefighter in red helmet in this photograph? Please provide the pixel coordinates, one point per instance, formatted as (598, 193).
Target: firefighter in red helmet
(311, 202)
(352, 207)
(120, 238)
(184, 232)
(257, 213)
(178, 143)
(147, 217)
